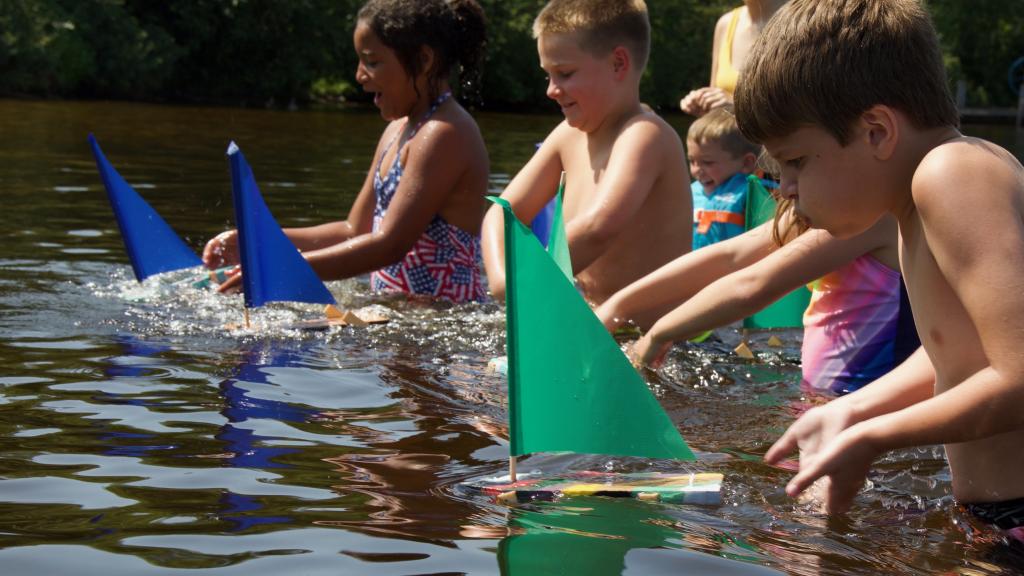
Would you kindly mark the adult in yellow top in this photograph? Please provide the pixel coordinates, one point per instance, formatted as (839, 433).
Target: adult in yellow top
(735, 33)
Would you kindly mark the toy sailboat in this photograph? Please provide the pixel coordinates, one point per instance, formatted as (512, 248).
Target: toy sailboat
(571, 389)
(152, 245)
(273, 270)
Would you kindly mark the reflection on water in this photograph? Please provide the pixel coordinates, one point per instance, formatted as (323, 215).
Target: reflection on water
(140, 434)
(598, 536)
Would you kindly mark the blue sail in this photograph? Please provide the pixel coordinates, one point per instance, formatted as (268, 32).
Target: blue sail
(541, 224)
(151, 244)
(273, 270)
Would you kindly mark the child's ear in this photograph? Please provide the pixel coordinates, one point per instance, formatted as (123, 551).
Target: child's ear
(622, 63)
(749, 163)
(427, 59)
(881, 129)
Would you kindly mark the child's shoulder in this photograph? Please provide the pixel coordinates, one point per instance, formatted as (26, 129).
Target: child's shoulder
(452, 126)
(982, 174)
(641, 133)
(966, 149)
(649, 130)
(966, 159)
(722, 24)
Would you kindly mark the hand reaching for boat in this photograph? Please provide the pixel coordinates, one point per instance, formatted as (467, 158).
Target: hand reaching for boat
(648, 352)
(221, 250)
(831, 447)
(233, 283)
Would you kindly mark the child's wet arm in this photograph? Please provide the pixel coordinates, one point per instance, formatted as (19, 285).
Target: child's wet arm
(319, 236)
(406, 219)
(980, 407)
(728, 298)
(359, 220)
(492, 240)
(359, 255)
(537, 182)
(987, 402)
(676, 281)
(527, 193)
(911, 382)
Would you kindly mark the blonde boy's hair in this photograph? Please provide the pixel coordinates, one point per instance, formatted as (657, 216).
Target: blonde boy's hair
(600, 24)
(826, 62)
(719, 126)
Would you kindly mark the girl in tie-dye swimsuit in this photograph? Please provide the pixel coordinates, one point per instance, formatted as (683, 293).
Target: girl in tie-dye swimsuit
(415, 226)
(857, 327)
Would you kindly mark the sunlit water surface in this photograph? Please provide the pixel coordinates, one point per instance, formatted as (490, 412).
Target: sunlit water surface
(141, 434)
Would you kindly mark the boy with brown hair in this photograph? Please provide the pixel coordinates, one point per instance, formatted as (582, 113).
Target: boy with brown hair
(720, 160)
(850, 96)
(626, 208)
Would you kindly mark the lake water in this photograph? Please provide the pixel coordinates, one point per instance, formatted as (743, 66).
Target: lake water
(141, 436)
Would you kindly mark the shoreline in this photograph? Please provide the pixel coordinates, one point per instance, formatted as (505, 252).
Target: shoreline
(995, 115)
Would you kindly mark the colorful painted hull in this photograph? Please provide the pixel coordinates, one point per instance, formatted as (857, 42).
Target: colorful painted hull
(703, 488)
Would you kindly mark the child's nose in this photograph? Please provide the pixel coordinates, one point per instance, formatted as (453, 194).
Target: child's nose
(554, 91)
(361, 76)
(787, 188)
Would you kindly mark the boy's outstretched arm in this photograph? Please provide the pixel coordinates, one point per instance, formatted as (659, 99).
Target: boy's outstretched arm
(683, 277)
(808, 257)
(637, 159)
(527, 193)
(492, 241)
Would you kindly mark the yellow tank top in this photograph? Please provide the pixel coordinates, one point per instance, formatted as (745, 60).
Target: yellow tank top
(726, 76)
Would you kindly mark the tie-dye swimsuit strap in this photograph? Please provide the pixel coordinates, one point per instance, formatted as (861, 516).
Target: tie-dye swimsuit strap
(445, 261)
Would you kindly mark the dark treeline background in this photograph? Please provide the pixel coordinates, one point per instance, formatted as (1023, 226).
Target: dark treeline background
(292, 52)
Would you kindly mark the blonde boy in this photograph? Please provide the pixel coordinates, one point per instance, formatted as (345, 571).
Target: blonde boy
(720, 160)
(851, 98)
(626, 203)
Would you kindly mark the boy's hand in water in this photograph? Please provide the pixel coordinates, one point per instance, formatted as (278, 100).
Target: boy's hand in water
(233, 283)
(832, 447)
(648, 352)
(221, 250)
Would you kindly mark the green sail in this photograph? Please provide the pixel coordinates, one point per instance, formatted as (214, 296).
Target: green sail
(570, 387)
(788, 311)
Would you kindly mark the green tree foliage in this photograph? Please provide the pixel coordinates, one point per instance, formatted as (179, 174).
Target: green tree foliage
(680, 59)
(981, 38)
(681, 36)
(275, 52)
(255, 51)
(512, 73)
(54, 47)
(238, 51)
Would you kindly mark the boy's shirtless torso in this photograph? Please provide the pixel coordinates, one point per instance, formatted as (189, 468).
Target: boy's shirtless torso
(656, 233)
(990, 469)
